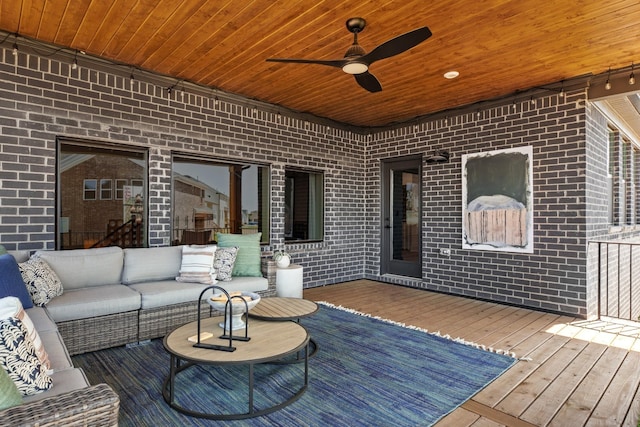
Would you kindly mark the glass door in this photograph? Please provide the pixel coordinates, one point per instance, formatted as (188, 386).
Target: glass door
(401, 236)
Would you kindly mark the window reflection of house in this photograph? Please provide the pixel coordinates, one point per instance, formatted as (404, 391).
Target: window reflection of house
(89, 207)
(238, 195)
(197, 207)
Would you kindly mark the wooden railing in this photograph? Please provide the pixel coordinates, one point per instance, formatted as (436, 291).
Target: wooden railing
(126, 235)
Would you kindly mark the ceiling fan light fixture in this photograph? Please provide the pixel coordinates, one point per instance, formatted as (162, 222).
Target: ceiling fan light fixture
(355, 68)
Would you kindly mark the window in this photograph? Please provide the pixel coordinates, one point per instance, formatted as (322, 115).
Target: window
(622, 176)
(120, 184)
(90, 186)
(304, 205)
(212, 196)
(89, 214)
(106, 189)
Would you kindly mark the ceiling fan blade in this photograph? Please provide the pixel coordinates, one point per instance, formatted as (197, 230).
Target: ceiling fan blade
(397, 45)
(368, 81)
(338, 63)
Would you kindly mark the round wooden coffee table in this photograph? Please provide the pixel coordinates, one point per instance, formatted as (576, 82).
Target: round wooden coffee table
(282, 309)
(269, 342)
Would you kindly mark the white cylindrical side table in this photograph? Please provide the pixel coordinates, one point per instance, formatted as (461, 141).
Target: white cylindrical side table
(289, 281)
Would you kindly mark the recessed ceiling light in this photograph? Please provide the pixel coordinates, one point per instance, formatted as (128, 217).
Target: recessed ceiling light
(451, 75)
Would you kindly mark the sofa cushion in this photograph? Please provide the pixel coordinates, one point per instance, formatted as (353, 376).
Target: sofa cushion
(164, 293)
(58, 355)
(249, 284)
(11, 307)
(223, 263)
(168, 292)
(63, 381)
(197, 264)
(18, 358)
(9, 393)
(41, 319)
(151, 264)
(21, 255)
(11, 283)
(248, 261)
(93, 301)
(81, 268)
(41, 281)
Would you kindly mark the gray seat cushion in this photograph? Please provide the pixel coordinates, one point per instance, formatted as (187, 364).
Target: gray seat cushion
(41, 319)
(249, 284)
(63, 382)
(93, 302)
(57, 352)
(167, 292)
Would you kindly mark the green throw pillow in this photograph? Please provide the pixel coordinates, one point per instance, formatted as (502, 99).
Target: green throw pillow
(3, 250)
(248, 263)
(9, 394)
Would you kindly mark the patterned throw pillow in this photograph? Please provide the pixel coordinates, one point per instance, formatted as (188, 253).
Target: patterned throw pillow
(41, 281)
(197, 264)
(18, 358)
(223, 262)
(11, 307)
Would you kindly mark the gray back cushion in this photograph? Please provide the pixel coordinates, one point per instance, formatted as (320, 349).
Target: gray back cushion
(148, 264)
(81, 268)
(20, 255)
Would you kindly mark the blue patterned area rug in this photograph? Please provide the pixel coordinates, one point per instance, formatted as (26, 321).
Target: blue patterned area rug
(367, 372)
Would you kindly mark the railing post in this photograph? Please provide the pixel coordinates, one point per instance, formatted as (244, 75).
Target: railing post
(599, 279)
(630, 281)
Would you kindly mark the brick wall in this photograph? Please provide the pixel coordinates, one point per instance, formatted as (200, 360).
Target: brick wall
(554, 276)
(42, 99)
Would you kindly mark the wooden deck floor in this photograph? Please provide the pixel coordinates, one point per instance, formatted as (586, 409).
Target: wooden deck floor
(580, 373)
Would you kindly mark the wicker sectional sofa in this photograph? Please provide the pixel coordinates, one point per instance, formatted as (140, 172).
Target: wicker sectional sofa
(115, 296)
(111, 297)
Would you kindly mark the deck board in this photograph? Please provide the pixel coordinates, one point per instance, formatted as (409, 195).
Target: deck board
(573, 372)
(617, 399)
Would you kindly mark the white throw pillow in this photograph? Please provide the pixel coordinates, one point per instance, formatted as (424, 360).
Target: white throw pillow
(197, 264)
(11, 307)
(42, 282)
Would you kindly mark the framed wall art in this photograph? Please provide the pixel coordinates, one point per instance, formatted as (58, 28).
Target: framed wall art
(497, 200)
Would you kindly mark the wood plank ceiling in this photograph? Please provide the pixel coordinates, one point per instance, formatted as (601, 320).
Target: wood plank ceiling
(499, 47)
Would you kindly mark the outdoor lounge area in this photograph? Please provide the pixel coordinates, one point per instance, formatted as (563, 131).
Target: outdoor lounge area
(477, 175)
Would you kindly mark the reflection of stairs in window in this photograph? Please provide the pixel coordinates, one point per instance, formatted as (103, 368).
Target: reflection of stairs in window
(125, 235)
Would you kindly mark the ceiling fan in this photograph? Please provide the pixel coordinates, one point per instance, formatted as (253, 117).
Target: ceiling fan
(356, 61)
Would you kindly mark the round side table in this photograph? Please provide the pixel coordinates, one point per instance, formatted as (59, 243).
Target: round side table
(289, 281)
